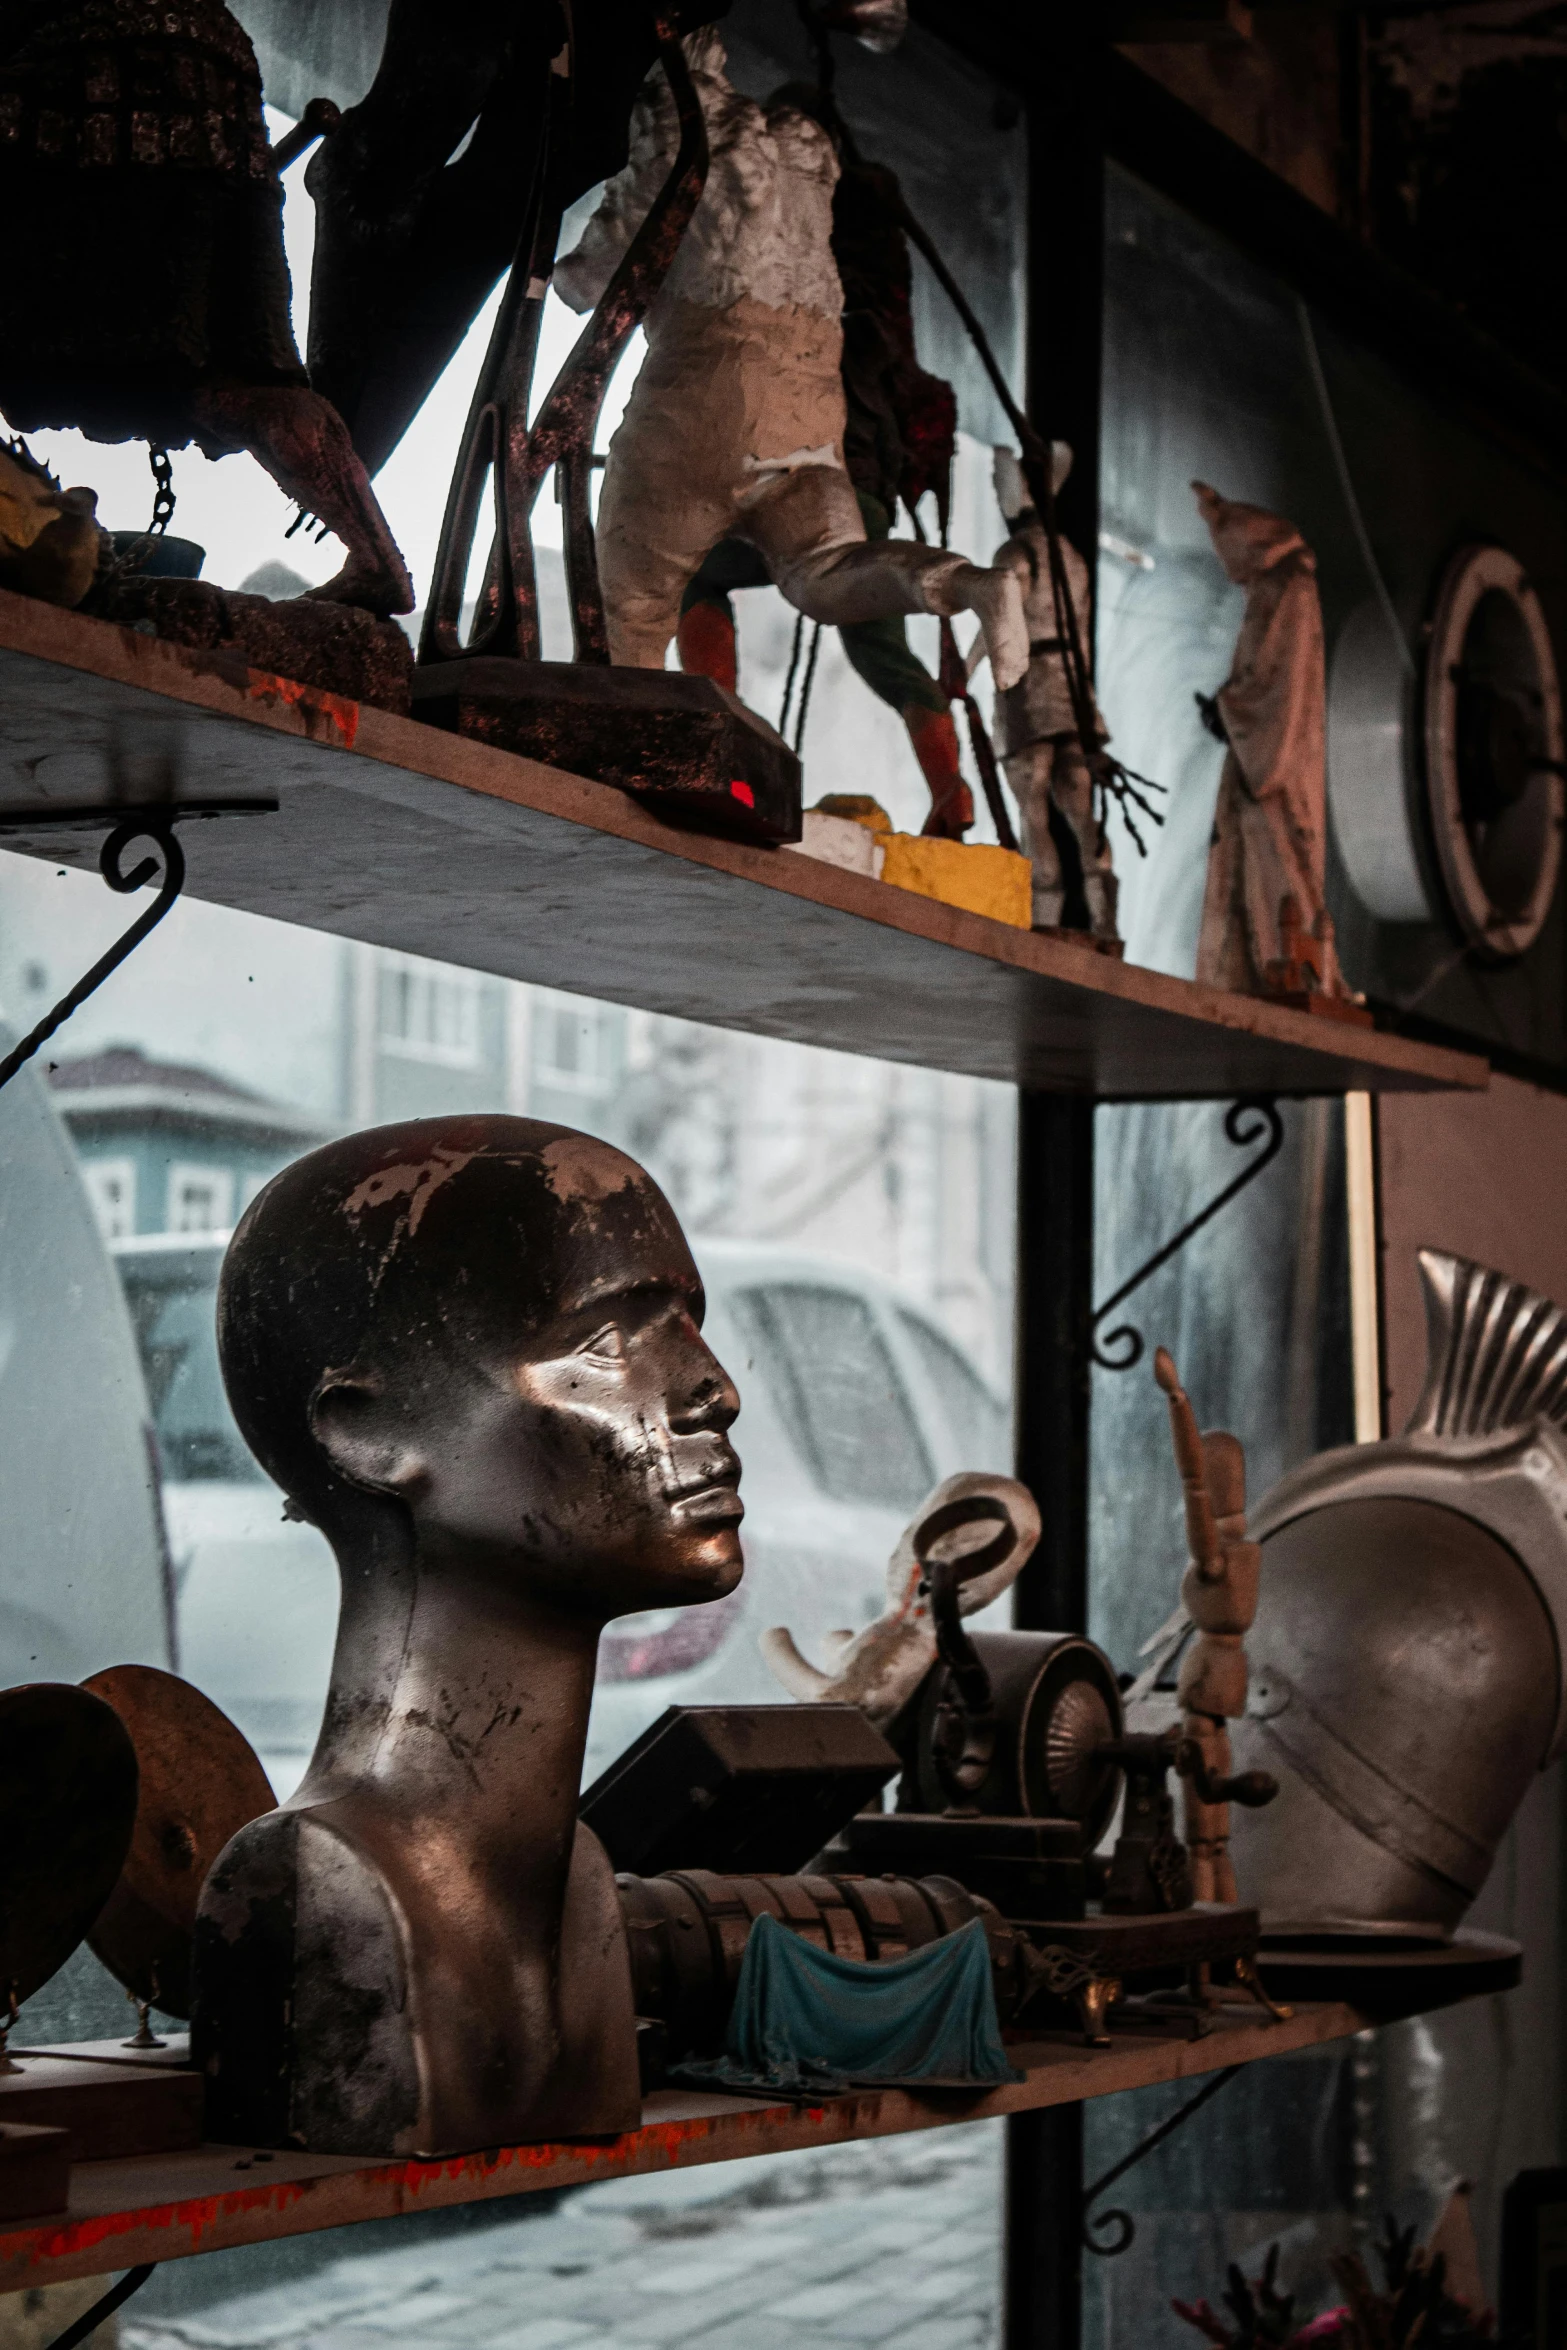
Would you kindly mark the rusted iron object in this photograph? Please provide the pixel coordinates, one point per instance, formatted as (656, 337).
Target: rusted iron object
(687, 1931)
(467, 1348)
(1056, 1702)
(67, 1809)
(689, 750)
(200, 1783)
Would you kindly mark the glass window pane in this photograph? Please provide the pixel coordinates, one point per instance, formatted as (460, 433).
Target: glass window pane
(837, 1385)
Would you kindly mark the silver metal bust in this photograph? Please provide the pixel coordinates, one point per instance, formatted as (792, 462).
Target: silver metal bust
(469, 1350)
(1406, 1660)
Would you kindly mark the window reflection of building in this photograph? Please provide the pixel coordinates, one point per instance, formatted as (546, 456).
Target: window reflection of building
(168, 1146)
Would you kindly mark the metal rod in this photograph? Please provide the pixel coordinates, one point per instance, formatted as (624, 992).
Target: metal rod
(1243, 1134)
(104, 2307)
(160, 831)
(1123, 2219)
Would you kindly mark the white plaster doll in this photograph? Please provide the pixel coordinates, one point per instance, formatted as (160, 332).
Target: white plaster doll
(1040, 746)
(880, 1668)
(1265, 926)
(735, 423)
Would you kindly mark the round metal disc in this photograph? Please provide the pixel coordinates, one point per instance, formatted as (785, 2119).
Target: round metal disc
(67, 1805)
(200, 1784)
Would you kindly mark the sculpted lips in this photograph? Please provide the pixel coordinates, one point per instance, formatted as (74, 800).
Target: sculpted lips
(706, 1486)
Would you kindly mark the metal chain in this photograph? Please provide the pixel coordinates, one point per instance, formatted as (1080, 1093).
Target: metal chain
(163, 494)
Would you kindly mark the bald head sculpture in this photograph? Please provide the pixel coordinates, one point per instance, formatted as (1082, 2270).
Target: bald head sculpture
(469, 1350)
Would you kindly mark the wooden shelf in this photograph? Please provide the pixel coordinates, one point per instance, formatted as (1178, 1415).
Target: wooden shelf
(169, 2206)
(390, 831)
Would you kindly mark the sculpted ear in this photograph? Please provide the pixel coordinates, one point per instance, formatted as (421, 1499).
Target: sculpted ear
(366, 1435)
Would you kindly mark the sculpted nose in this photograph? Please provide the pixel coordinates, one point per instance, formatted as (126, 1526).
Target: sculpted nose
(706, 1398)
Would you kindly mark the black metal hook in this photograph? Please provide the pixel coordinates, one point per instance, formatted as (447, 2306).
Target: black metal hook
(1122, 2221)
(158, 828)
(1241, 1127)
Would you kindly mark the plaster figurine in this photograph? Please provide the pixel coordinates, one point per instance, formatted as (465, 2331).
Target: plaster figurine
(899, 434)
(1265, 926)
(1041, 749)
(468, 1349)
(735, 424)
(1219, 1596)
(1406, 1681)
(146, 289)
(880, 1668)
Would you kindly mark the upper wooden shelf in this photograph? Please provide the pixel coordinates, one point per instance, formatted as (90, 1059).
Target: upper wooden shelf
(393, 832)
(168, 2206)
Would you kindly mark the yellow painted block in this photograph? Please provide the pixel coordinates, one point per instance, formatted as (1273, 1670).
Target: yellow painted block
(970, 874)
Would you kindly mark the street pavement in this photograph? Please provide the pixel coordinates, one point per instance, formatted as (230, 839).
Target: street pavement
(886, 2239)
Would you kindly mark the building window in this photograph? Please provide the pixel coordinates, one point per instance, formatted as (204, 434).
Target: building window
(111, 1186)
(428, 1013)
(201, 1199)
(573, 1048)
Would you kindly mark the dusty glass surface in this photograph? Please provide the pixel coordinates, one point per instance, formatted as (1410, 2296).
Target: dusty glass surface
(853, 1222)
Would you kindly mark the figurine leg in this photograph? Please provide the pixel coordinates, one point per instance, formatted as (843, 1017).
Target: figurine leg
(706, 643)
(1028, 772)
(809, 529)
(304, 445)
(935, 741)
(1072, 789)
(879, 654)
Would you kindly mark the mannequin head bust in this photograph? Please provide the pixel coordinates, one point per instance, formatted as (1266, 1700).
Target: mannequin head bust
(469, 1350)
(476, 1341)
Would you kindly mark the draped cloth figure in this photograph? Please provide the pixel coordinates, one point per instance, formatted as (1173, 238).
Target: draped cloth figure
(735, 425)
(1264, 902)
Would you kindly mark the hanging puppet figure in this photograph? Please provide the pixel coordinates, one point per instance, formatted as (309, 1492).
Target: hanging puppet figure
(735, 425)
(1265, 927)
(899, 433)
(1041, 748)
(146, 289)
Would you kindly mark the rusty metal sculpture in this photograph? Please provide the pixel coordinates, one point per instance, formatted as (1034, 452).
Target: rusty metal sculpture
(199, 1784)
(467, 1349)
(146, 289)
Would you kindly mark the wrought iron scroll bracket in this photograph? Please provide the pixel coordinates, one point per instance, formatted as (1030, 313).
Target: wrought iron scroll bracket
(159, 829)
(1122, 2221)
(1254, 1118)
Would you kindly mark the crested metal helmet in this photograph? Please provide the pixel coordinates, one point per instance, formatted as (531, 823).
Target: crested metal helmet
(1406, 1659)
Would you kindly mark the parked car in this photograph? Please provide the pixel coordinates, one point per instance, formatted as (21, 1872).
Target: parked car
(854, 1404)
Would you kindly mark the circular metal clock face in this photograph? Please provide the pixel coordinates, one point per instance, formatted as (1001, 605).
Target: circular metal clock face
(1493, 751)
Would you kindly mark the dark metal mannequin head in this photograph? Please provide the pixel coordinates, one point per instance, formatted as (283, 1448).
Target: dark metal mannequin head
(475, 1343)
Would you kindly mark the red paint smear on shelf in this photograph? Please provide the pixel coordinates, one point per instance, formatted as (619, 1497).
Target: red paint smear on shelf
(387, 2189)
(310, 700)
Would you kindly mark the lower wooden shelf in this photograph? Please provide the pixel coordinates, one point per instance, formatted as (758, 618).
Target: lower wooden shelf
(170, 2206)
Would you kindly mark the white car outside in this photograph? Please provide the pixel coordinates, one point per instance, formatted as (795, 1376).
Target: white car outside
(854, 1404)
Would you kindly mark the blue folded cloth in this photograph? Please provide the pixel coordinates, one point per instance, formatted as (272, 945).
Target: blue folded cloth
(808, 2022)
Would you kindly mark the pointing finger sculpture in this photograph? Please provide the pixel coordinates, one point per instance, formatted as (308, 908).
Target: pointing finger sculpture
(469, 1350)
(879, 1669)
(735, 425)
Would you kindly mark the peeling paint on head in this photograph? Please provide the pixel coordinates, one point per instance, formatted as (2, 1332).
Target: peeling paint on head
(415, 1180)
(581, 1168)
